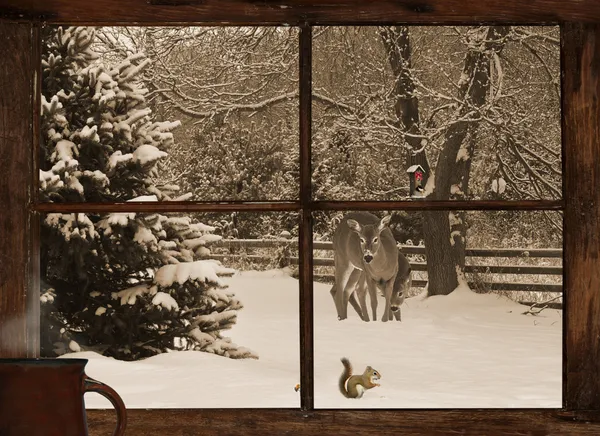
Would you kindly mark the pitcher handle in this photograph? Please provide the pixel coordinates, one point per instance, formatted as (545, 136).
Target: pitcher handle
(91, 385)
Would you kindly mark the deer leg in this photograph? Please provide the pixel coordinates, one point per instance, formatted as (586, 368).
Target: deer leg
(361, 290)
(353, 301)
(387, 312)
(341, 279)
(373, 296)
(349, 290)
(372, 288)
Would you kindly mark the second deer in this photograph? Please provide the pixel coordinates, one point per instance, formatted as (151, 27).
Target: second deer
(366, 257)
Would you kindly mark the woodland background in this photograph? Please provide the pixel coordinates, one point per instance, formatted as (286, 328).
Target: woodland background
(211, 114)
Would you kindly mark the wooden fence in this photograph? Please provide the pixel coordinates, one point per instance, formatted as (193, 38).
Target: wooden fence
(289, 246)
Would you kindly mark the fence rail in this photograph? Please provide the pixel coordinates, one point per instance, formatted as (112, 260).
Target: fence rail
(406, 249)
(416, 266)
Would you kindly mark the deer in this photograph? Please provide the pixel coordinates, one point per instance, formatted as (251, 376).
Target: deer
(366, 257)
(402, 285)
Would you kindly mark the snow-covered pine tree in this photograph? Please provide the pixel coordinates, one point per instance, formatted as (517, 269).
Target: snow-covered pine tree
(128, 285)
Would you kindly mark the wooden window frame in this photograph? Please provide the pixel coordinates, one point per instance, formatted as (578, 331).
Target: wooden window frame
(19, 240)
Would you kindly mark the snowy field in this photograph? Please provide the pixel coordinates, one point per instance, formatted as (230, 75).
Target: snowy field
(461, 351)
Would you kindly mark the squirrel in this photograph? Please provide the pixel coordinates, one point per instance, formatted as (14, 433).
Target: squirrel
(357, 384)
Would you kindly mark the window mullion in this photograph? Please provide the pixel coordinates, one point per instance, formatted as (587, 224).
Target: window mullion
(170, 206)
(305, 252)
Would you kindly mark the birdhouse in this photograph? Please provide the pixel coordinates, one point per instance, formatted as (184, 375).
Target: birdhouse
(416, 177)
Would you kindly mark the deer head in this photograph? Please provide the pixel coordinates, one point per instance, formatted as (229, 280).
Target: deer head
(369, 236)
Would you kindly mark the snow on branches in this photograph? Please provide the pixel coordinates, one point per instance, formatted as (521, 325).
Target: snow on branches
(128, 285)
(136, 286)
(97, 126)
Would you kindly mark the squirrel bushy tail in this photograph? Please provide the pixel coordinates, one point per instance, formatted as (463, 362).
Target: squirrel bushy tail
(345, 376)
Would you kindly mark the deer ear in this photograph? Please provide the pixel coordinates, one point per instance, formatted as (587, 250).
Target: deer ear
(354, 225)
(384, 221)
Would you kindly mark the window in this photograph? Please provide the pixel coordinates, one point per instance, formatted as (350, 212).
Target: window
(160, 116)
(582, 304)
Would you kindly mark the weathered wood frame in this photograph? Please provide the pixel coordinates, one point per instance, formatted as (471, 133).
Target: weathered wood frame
(580, 45)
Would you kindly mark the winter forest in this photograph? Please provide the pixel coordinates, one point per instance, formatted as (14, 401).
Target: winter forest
(201, 309)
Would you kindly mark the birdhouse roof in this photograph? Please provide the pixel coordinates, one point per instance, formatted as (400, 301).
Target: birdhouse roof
(414, 168)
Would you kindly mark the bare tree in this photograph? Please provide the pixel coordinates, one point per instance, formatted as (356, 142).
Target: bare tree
(497, 115)
(235, 91)
(477, 108)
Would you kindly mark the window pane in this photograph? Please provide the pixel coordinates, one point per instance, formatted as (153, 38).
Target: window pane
(477, 328)
(465, 113)
(175, 311)
(186, 113)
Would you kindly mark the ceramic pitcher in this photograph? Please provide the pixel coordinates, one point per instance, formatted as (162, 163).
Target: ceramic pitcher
(44, 397)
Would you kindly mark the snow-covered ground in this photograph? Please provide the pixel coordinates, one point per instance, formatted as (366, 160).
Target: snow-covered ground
(463, 350)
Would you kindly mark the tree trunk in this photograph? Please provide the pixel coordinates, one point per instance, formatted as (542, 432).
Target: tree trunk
(452, 174)
(396, 40)
(445, 232)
